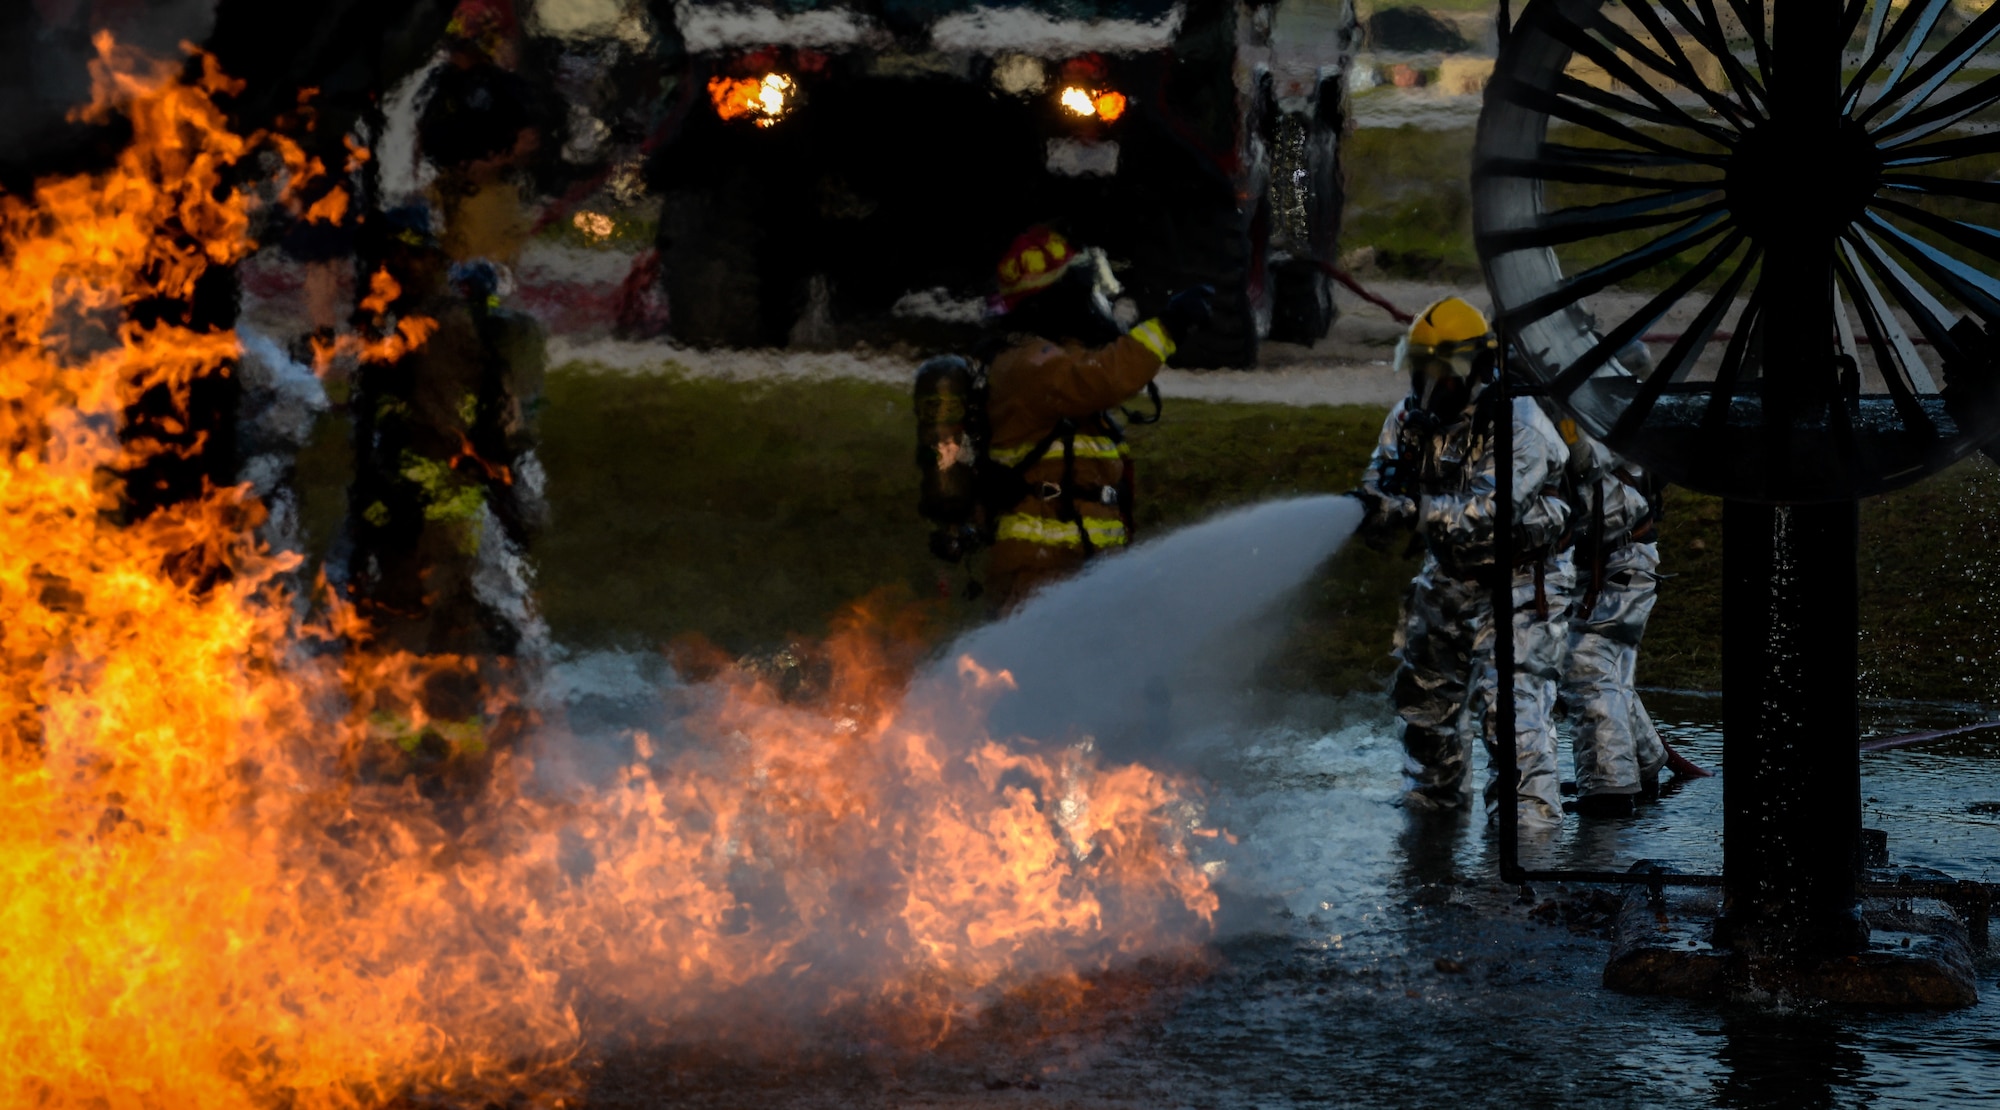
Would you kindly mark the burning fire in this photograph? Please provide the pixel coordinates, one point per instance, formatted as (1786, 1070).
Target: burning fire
(330, 209)
(1107, 105)
(595, 226)
(763, 99)
(226, 884)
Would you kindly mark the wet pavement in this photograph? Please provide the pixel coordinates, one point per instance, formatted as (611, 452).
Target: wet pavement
(1364, 959)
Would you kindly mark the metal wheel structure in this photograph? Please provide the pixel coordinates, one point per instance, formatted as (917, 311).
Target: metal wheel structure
(1750, 243)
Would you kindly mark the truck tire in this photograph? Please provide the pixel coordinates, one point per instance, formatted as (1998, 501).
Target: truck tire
(708, 264)
(1308, 196)
(1302, 308)
(1242, 307)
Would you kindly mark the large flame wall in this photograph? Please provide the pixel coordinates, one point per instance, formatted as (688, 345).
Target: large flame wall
(211, 897)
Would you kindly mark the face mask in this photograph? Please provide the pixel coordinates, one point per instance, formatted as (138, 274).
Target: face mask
(1104, 286)
(1446, 378)
(1444, 397)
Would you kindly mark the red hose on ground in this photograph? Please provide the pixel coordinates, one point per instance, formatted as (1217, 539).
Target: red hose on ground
(1889, 743)
(1366, 294)
(1682, 766)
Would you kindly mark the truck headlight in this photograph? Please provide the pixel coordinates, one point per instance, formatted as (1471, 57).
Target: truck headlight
(763, 99)
(1105, 104)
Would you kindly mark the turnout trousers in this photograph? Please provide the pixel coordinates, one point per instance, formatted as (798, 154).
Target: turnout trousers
(1444, 688)
(1612, 739)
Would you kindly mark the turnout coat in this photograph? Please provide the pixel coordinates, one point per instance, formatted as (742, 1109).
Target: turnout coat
(1078, 501)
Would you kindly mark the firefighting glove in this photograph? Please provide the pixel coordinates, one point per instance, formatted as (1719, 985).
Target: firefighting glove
(1398, 478)
(1382, 522)
(1188, 309)
(1374, 528)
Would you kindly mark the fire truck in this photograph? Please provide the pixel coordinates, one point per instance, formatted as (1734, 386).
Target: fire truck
(858, 167)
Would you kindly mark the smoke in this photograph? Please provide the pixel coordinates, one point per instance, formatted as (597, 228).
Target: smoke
(404, 176)
(1138, 649)
(1190, 614)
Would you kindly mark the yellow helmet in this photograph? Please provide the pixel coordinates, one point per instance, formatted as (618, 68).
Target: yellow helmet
(1449, 321)
(1448, 347)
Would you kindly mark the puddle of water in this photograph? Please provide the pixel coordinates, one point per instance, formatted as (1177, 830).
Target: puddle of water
(1410, 977)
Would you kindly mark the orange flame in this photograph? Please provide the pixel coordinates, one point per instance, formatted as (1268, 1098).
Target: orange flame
(764, 99)
(470, 460)
(329, 209)
(223, 887)
(357, 155)
(411, 332)
(382, 292)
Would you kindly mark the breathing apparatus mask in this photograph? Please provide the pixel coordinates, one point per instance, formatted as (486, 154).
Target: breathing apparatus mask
(1104, 286)
(1446, 377)
(1078, 306)
(1450, 356)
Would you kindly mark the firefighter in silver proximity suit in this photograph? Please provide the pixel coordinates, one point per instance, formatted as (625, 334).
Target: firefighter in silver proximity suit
(1434, 469)
(1617, 750)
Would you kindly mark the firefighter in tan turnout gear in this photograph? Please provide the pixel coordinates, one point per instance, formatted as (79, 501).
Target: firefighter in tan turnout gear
(1058, 365)
(1434, 470)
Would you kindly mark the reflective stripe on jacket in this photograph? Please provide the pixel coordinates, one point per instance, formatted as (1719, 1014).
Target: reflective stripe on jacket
(1060, 533)
(1035, 385)
(1082, 446)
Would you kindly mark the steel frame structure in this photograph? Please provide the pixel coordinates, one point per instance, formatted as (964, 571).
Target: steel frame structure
(1864, 352)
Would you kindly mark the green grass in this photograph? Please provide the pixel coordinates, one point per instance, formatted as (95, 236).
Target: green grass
(1928, 569)
(751, 514)
(1930, 566)
(745, 514)
(1409, 196)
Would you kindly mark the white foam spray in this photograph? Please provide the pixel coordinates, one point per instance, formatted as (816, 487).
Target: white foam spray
(1130, 650)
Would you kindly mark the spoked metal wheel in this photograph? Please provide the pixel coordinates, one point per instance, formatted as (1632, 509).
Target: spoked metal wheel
(1749, 243)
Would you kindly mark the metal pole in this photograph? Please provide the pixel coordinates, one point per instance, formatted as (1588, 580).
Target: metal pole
(1791, 783)
(1791, 728)
(1797, 225)
(1504, 710)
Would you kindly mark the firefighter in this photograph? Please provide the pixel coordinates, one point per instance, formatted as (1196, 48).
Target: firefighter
(439, 510)
(1617, 751)
(480, 127)
(1059, 362)
(1434, 470)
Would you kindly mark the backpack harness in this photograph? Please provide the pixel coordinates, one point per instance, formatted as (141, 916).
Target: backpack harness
(1002, 486)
